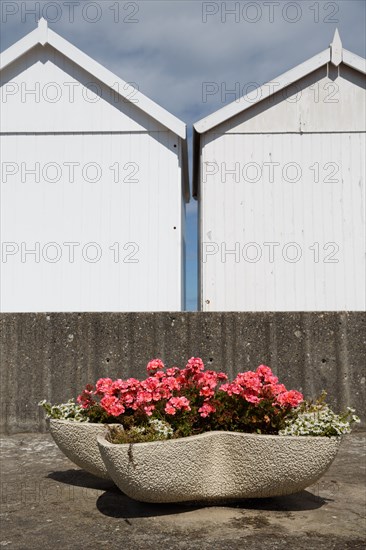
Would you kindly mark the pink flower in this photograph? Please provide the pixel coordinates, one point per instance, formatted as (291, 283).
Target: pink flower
(194, 388)
(116, 409)
(249, 380)
(133, 383)
(277, 388)
(86, 397)
(144, 397)
(154, 365)
(195, 364)
(128, 399)
(177, 403)
(169, 409)
(109, 403)
(266, 373)
(159, 375)
(206, 409)
(172, 371)
(290, 398)
(180, 403)
(118, 386)
(230, 389)
(171, 383)
(207, 381)
(103, 385)
(251, 398)
(150, 383)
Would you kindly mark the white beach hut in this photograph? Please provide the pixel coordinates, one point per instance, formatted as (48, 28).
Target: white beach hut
(280, 180)
(94, 186)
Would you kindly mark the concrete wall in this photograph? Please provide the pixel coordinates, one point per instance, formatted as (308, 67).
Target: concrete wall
(54, 355)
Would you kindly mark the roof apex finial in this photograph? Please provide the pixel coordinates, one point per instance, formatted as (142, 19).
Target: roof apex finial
(43, 31)
(336, 49)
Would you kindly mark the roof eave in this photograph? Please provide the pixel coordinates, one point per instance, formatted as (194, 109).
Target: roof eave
(334, 54)
(246, 102)
(43, 36)
(15, 51)
(354, 61)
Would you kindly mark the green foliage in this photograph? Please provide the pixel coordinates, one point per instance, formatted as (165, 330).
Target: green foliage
(237, 415)
(97, 414)
(153, 430)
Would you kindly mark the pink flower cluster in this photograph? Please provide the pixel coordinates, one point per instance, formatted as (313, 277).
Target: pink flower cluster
(163, 385)
(261, 385)
(171, 390)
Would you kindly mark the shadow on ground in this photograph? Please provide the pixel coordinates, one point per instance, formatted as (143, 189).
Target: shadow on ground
(81, 478)
(114, 503)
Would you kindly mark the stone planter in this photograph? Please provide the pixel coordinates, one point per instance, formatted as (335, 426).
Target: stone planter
(217, 466)
(78, 441)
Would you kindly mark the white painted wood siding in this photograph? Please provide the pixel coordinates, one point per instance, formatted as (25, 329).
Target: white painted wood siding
(288, 187)
(140, 208)
(272, 210)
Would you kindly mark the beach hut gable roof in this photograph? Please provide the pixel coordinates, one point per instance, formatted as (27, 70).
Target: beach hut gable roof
(335, 55)
(247, 107)
(44, 36)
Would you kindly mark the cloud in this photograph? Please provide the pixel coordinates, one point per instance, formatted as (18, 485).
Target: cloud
(170, 52)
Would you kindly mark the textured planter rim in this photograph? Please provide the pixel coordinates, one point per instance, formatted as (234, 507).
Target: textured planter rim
(218, 466)
(78, 442)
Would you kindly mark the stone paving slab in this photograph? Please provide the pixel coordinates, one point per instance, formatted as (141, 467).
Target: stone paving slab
(47, 502)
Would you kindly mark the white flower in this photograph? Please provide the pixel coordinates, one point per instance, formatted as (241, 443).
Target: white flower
(64, 411)
(161, 427)
(320, 420)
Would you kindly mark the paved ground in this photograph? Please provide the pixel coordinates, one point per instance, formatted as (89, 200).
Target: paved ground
(46, 502)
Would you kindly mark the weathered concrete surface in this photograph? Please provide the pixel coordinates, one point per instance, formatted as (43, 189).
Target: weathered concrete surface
(48, 503)
(54, 355)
